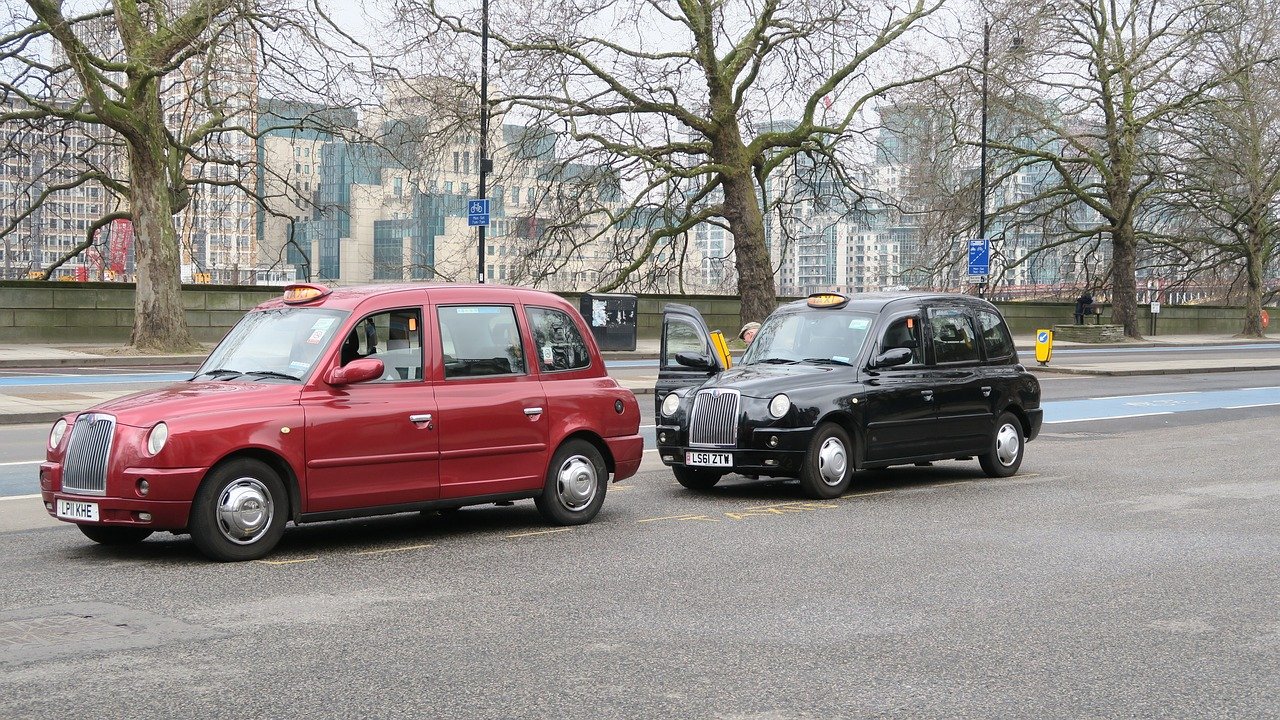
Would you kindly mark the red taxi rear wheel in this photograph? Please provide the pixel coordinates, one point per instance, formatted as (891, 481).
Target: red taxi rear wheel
(109, 535)
(240, 511)
(695, 479)
(576, 482)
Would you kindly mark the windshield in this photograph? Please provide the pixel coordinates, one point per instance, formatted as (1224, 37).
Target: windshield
(831, 337)
(282, 343)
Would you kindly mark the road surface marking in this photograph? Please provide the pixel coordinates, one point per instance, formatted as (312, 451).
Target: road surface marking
(394, 549)
(1107, 417)
(540, 532)
(286, 562)
(20, 497)
(21, 462)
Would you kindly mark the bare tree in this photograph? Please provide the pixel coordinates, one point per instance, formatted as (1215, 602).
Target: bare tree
(169, 90)
(1097, 83)
(1227, 181)
(694, 104)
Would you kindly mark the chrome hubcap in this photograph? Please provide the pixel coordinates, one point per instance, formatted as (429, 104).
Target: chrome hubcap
(1008, 441)
(577, 483)
(245, 511)
(832, 461)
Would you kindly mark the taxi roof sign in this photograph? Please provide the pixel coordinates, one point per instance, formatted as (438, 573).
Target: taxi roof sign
(299, 293)
(828, 300)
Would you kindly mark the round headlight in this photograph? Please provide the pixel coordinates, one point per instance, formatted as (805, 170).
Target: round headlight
(157, 438)
(779, 405)
(55, 435)
(670, 404)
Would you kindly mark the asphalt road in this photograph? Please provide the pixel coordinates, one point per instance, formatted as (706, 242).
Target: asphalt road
(1127, 571)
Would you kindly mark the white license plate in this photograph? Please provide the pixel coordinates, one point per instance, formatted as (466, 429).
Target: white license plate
(713, 459)
(71, 510)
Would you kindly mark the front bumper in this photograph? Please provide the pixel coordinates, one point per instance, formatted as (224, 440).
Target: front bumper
(760, 451)
(168, 500)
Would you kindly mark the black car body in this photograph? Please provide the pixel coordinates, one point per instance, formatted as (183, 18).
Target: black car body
(832, 384)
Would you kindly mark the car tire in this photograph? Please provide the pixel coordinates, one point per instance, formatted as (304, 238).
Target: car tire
(696, 479)
(1008, 443)
(827, 469)
(114, 535)
(239, 511)
(576, 483)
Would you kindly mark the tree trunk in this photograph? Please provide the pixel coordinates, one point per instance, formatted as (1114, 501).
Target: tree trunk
(159, 322)
(1253, 287)
(1124, 293)
(751, 257)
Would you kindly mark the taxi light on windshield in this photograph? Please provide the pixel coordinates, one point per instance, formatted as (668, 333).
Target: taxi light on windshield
(827, 300)
(301, 293)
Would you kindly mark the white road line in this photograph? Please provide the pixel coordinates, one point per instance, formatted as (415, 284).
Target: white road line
(1107, 417)
(21, 462)
(20, 497)
(1240, 407)
(1163, 394)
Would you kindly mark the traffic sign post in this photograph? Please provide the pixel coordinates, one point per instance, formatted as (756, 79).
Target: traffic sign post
(478, 212)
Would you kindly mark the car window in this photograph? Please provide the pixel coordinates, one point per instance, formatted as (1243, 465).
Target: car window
(394, 337)
(834, 336)
(904, 333)
(484, 339)
(555, 336)
(995, 336)
(953, 337)
(683, 337)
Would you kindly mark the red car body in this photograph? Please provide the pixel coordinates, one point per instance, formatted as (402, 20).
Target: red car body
(344, 450)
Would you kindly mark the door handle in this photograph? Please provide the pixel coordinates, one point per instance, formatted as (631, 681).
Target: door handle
(426, 418)
(926, 394)
(986, 391)
(533, 411)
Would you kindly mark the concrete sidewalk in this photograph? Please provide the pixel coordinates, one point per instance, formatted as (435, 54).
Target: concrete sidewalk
(45, 403)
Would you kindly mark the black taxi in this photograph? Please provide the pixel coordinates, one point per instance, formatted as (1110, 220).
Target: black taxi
(832, 384)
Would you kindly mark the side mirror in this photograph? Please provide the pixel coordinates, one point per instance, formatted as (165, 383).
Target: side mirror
(356, 371)
(695, 361)
(892, 357)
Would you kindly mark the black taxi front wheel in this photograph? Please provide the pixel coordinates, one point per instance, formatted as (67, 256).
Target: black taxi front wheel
(827, 470)
(696, 479)
(240, 511)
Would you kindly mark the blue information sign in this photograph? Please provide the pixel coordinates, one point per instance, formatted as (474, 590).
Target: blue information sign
(478, 212)
(979, 256)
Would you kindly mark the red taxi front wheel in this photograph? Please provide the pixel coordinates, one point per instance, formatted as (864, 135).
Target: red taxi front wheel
(239, 512)
(108, 535)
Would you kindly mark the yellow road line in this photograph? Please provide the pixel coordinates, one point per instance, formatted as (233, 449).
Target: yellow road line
(287, 562)
(394, 549)
(540, 532)
(865, 494)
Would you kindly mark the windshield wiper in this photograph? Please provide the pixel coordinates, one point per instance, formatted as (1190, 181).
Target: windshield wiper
(272, 374)
(824, 361)
(778, 361)
(220, 372)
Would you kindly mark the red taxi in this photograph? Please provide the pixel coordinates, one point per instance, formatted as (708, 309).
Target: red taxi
(327, 404)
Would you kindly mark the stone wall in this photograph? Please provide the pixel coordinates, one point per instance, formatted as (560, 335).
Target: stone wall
(64, 312)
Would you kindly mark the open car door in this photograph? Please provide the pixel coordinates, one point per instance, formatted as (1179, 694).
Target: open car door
(690, 352)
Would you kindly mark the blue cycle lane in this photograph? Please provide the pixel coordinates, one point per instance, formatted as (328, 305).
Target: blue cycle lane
(19, 478)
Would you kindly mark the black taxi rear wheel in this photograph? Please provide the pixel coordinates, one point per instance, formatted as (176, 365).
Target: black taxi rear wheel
(111, 535)
(1004, 456)
(827, 470)
(695, 479)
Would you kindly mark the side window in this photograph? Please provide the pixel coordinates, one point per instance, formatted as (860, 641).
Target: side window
(480, 340)
(555, 336)
(953, 337)
(904, 333)
(995, 336)
(394, 337)
(682, 337)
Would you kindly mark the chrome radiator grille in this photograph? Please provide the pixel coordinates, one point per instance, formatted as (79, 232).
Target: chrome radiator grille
(84, 470)
(714, 419)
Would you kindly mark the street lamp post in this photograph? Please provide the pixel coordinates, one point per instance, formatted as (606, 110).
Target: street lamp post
(483, 161)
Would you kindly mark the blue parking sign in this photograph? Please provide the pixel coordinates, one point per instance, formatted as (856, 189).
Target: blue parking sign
(979, 256)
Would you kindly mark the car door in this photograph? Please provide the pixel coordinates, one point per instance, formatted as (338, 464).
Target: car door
(899, 410)
(960, 388)
(373, 443)
(684, 333)
(493, 421)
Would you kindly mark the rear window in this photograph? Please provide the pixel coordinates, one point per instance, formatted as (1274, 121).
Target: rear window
(995, 336)
(559, 344)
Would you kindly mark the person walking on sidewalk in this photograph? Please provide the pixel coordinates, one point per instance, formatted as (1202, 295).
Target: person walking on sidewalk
(1084, 305)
